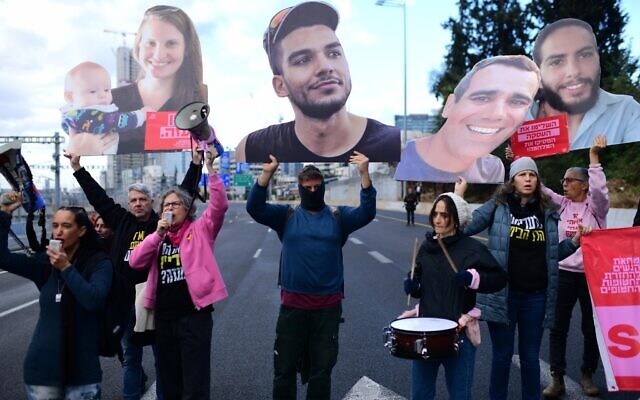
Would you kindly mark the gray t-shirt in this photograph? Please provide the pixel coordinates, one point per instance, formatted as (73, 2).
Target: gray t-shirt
(487, 169)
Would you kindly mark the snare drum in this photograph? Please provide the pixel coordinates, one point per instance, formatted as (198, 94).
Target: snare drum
(422, 338)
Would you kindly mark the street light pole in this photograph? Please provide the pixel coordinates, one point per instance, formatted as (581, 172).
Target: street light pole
(403, 4)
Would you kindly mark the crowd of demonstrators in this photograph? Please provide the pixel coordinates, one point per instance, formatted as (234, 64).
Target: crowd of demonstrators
(451, 294)
(130, 227)
(585, 202)
(184, 283)
(411, 200)
(311, 273)
(74, 279)
(523, 238)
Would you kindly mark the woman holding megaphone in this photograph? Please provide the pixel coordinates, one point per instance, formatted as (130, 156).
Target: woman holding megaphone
(184, 282)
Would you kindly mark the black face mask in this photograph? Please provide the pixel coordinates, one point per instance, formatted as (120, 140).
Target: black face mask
(312, 201)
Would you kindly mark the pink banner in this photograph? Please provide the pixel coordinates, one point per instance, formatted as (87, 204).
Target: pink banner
(612, 267)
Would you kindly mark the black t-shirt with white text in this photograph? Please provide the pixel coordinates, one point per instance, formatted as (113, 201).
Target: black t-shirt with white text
(527, 247)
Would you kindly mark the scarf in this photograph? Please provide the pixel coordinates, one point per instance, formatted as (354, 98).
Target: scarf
(176, 237)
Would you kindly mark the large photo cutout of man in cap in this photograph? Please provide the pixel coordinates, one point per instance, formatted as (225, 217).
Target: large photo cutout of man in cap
(567, 54)
(100, 120)
(485, 109)
(310, 68)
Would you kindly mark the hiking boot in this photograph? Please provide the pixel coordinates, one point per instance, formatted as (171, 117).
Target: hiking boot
(555, 388)
(588, 386)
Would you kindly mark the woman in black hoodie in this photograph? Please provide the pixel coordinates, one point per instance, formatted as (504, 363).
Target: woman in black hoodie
(447, 290)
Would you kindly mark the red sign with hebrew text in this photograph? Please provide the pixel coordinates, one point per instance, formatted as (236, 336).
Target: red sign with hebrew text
(541, 137)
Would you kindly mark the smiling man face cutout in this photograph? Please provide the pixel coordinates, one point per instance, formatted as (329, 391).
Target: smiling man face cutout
(486, 108)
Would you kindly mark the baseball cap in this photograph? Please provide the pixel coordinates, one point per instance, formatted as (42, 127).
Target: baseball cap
(291, 18)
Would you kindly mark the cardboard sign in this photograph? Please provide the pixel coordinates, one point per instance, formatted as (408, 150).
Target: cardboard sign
(541, 137)
(612, 268)
(162, 134)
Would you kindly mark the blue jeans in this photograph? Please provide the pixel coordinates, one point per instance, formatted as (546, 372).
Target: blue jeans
(526, 310)
(458, 372)
(132, 384)
(81, 392)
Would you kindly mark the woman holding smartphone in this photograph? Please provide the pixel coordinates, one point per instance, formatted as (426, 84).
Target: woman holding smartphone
(184, 282)
(73, 277)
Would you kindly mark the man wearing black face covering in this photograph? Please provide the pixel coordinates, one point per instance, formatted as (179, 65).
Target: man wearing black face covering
(311, 272)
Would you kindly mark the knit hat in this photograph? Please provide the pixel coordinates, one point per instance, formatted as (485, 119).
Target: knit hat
(522, 164)
(462, 207)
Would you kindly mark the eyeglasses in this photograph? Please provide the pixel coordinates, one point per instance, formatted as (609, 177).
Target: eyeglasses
(172, 204)
(570, 180)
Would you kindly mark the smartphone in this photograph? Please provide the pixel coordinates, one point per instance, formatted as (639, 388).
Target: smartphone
(55, 244)
(167, 216)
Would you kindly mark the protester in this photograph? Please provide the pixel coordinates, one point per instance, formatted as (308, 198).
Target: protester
(62, 360)
(104, 232)
(311, 273)
(130, 227)
(585, 202)
(448, 294)
(523, 238)
(184, 282)
(310, 68)
(410, 203)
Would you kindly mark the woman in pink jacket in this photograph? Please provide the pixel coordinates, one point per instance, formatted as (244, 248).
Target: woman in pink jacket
(184, 281)
(585, 202)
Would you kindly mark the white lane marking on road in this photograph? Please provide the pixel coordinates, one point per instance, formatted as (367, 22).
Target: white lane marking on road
(3, 272)
(18, 308)
(367, 389)
(355, 240)
(269, 230)
(150, 394)
(380, 257)
(573, 390)
(257, 254)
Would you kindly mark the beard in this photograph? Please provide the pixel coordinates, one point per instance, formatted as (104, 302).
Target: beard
(317, 110)
(553, 98)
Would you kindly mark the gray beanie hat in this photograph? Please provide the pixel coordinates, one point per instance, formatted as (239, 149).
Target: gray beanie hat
(522, 164)
(462, 207)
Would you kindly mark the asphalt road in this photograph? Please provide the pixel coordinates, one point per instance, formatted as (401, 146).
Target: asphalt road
(376, 260)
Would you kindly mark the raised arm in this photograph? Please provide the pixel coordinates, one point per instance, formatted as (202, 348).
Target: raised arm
(271, 215)
(111, 212)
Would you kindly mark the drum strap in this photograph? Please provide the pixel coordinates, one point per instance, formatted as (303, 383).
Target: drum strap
(446, 254)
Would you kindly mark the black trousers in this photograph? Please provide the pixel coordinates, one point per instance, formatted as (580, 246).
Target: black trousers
(183, 351)
(411, 216)
(305, 333)
(572, 287)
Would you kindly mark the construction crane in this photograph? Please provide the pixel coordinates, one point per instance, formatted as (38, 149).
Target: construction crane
(122, 33)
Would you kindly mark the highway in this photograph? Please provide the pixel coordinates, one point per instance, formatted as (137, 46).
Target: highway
(376, 260)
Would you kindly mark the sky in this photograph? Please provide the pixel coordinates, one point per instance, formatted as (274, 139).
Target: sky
(44, 39)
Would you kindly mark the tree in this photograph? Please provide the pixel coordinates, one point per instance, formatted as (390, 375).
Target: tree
(485, 28)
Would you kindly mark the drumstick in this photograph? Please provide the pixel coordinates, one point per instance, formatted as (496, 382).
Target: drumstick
(413, 266)
(446, 254)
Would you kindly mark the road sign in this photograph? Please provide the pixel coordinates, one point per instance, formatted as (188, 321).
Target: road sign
(226, 179)
(242, 180)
